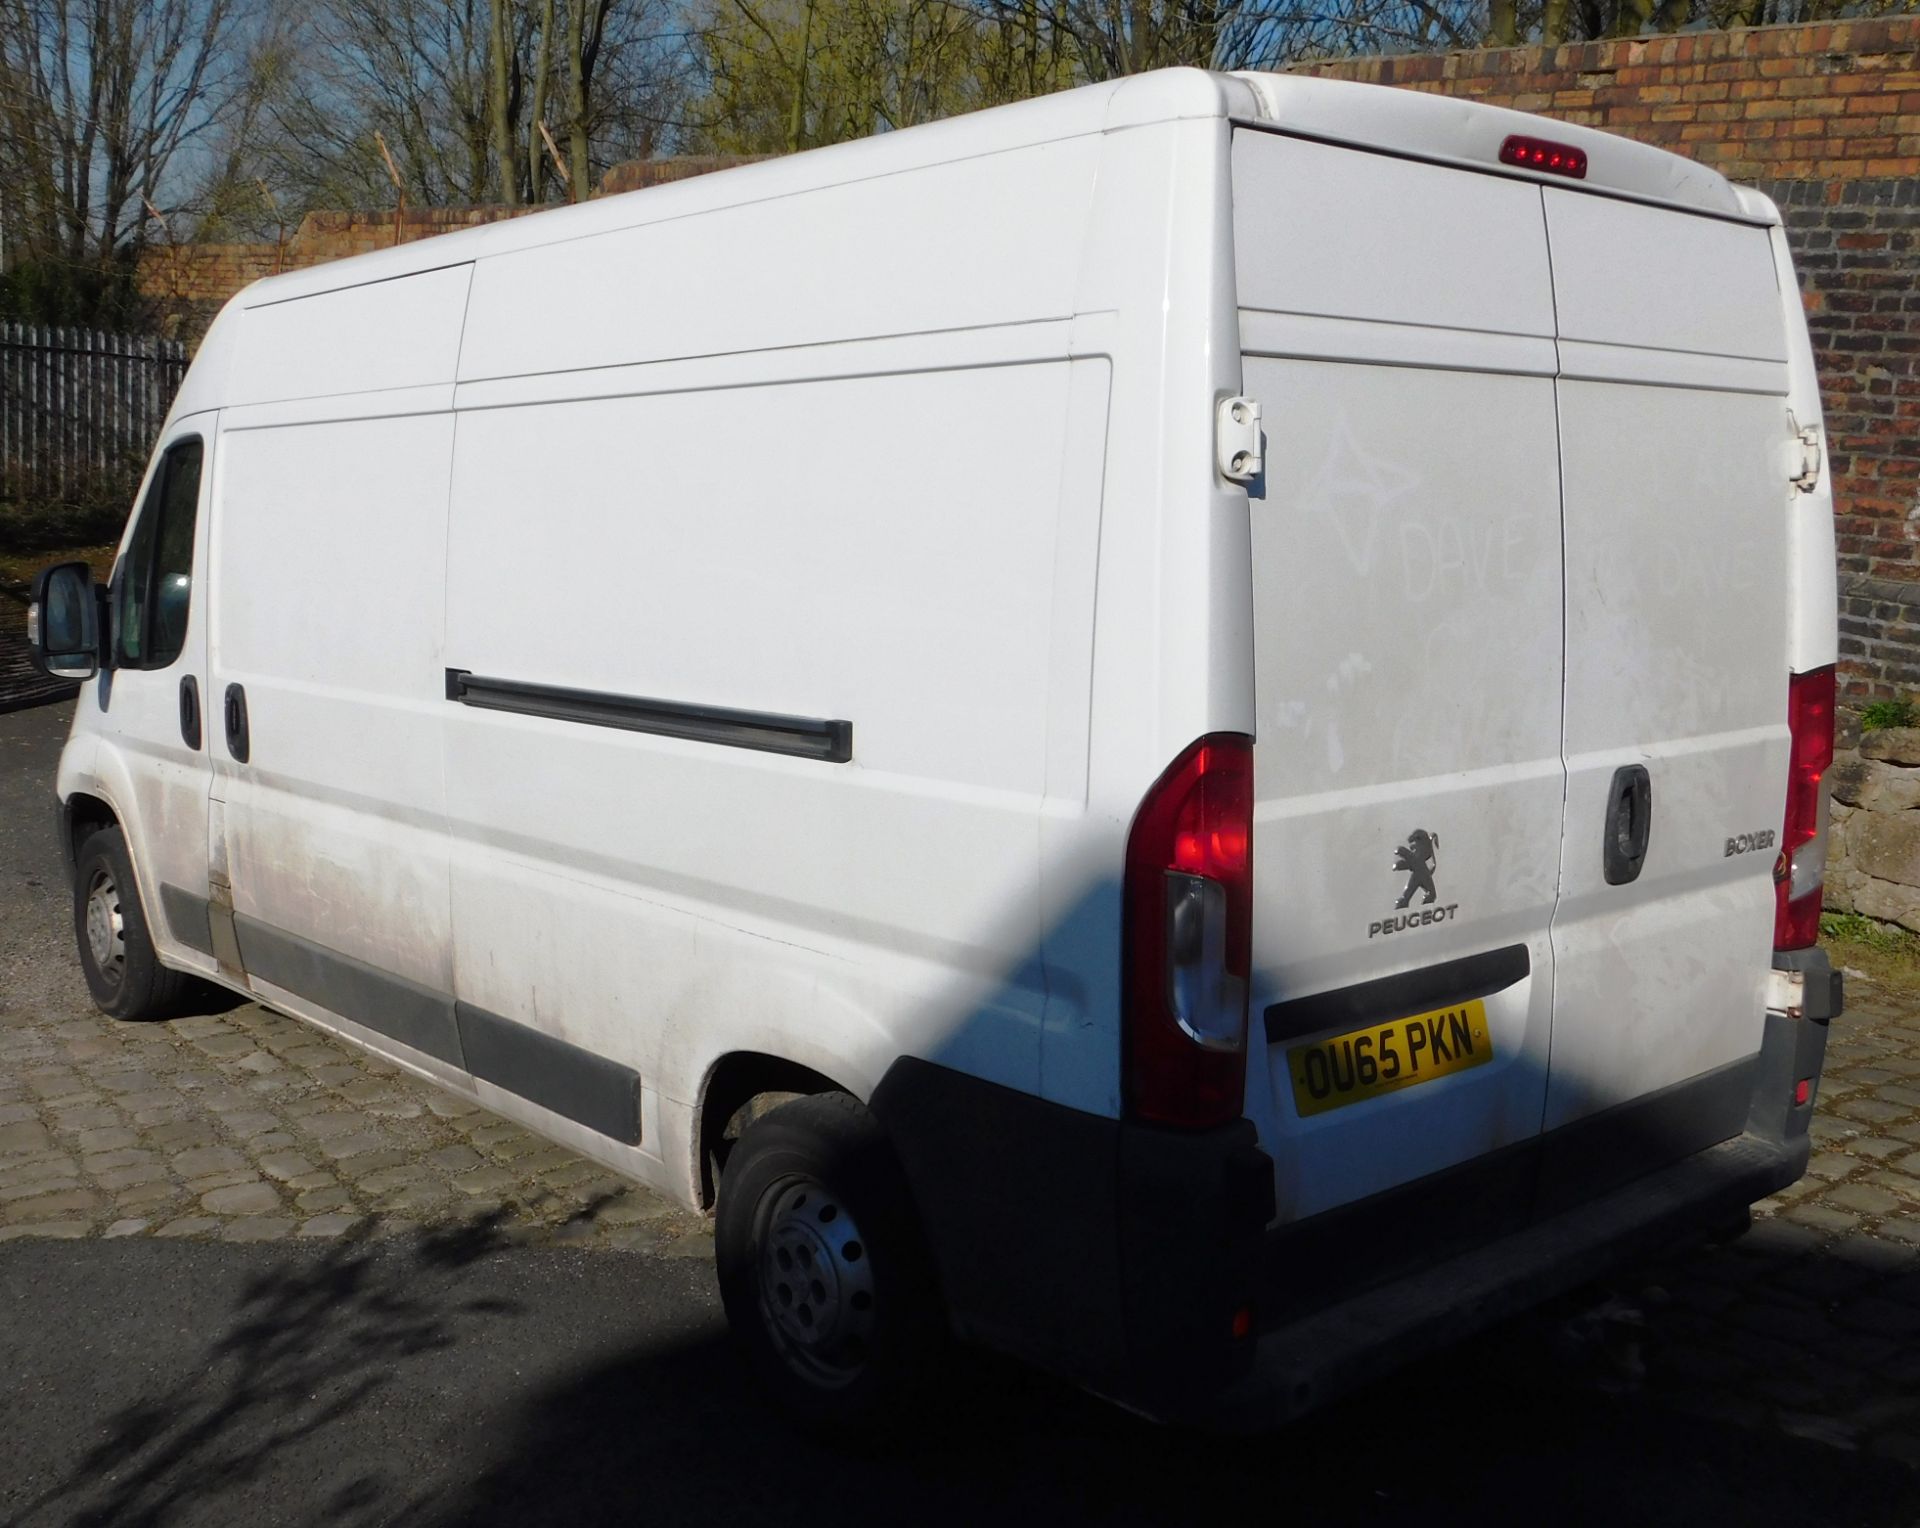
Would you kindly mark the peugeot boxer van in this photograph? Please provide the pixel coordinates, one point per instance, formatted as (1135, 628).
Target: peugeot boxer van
(1176, 729)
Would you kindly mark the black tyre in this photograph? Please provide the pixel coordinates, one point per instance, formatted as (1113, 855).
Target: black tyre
(823, 1269)
(123, 971)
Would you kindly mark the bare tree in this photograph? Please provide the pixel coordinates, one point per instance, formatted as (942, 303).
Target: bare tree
(502, 82)
(415, 71)
(537, 136)
(586, 32)
(785, 74)
(100, 102)
(788, 74)
(460, 90)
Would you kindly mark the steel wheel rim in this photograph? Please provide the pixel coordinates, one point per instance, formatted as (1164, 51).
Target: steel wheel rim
(106, 928)
(815, 1282)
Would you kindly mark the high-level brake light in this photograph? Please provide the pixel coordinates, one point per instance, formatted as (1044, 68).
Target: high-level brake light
(1542, 154)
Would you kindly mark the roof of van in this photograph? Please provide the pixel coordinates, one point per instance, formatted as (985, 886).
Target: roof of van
(1414, 123)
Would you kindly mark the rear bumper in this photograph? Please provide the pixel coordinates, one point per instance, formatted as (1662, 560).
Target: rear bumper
(1309, 1362)
(1584, 1221)
(1126, 1257)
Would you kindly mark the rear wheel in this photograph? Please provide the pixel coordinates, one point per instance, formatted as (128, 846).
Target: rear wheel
(123, 970)
(822, 1268)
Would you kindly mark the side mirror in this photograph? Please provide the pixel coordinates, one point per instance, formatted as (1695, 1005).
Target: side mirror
(63, 622)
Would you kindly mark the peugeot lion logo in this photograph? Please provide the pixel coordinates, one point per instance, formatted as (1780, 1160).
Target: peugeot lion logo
(1416, 859)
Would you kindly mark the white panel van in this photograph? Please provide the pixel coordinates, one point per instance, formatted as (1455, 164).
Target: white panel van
(1178, 729)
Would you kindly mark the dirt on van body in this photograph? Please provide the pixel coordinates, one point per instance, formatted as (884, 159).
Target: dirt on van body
(238, 1124)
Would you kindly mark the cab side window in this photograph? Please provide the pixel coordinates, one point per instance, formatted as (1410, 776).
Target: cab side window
(156, 581)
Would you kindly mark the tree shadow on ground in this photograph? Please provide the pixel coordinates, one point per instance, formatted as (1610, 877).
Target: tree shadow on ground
(1555, 1417)
(312, 1341)
(1660, 1399)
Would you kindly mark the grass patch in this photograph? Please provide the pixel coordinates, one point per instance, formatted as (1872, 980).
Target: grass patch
(1882, 952)
(17, 569)
(92, 511)
(1879, 715)
(37, 531)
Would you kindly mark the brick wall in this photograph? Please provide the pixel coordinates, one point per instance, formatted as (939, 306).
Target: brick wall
(638, 174)
(191, 281)
(1826, 120)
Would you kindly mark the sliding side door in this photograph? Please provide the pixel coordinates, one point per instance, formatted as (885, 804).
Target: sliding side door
(326, 695)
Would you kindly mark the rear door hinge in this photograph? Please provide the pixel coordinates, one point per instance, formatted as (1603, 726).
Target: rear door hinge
(1803, 456)
(1238, 443)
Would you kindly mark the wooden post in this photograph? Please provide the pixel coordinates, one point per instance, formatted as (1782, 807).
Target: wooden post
(559, 164)
(399, 186)
(279, 224)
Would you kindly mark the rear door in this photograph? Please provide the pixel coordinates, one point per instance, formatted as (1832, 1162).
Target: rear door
(1672, 427)
(1397, 326)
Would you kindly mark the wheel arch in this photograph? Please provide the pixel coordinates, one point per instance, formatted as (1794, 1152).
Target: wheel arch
(82, 815)
(737, 1084)
(85, 812)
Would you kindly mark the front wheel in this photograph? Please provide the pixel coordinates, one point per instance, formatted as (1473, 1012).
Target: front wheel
(825, 1277)
(123, 969)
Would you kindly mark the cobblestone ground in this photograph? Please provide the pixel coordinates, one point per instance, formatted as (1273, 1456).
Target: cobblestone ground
(1809, 1323)
(247, 1126)
(21, 682)
(239, 1125)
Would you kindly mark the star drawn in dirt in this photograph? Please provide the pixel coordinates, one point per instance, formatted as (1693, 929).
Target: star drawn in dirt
(1355, 487)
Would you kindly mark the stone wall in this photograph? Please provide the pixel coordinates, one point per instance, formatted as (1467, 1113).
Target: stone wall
(1873, 845)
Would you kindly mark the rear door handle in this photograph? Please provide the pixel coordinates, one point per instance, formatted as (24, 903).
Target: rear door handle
(1629, 823)
(238, 743)
(190, 711)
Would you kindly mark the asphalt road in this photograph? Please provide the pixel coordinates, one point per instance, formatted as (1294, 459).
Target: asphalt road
(36, 961)
(450, 1376)
(437, 1380)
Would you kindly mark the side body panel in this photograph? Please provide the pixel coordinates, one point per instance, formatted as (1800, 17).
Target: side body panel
(1171, 598)
(661, 900)
(1813, 637)
(891, 523)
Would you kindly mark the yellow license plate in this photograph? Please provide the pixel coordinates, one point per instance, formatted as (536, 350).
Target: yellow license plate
(1384, 1058)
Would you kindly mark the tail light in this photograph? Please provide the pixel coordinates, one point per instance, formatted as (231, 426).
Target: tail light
(1187, 932)
(1802, 865)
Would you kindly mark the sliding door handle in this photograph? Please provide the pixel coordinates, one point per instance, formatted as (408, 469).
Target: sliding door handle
(190, 711)
(238, 743)
(1629, 823)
